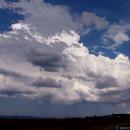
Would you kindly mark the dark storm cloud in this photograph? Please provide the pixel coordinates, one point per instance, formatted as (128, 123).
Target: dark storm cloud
(48, 61)
(47, 82)
(106, 82)
(11, 92)
(10, 73)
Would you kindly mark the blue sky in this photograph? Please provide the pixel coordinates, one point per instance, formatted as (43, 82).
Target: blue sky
(69, 60)
(8, 17)
(115, 12)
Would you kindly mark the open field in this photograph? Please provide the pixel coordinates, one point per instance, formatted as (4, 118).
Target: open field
(113, 122)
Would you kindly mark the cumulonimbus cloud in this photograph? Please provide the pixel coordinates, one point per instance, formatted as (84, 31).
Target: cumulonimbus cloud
(60, 67)
(38, 64)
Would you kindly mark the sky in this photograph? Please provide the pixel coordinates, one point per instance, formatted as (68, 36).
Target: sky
(62, 58)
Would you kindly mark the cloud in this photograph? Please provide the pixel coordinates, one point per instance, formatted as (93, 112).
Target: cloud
(89, 20)
(11, 92)
(116, 35)
(48, 82)
(54, 19)
(59, 67)
(45, 60)
(9, 73)
(10, 86)
(106, 82)
(3, 4)
(121, 37)
(42, 57)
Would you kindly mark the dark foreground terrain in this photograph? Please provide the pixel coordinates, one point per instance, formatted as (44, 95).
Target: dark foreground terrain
(113, 122)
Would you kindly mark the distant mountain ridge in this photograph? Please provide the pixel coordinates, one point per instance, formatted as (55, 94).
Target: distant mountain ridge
(91, 117)
(18, 117)
(108, 122)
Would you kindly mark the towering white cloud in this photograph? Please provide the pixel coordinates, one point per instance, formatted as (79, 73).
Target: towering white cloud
(42, 57)
(59, 67)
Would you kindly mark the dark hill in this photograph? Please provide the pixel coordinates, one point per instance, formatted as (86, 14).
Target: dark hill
(110, 122)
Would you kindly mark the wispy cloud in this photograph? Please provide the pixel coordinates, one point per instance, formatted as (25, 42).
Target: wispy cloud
(116, 35)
